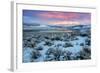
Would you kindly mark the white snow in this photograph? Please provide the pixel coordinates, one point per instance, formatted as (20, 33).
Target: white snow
(56, 44)
(76, 48)
(27, 54)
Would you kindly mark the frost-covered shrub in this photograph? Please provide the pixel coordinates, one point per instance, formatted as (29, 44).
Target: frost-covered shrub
(58, 45)
(49, 51)
(58, 55)
(81, 44)
(67, 45)
(85, 53)
(29, 43)
(83, 34)
(29, 40)
(56, 38)
(73, 34)
(76, 38)
(66, 39)
(55, 53)
(72, 38)
(35, 54)
(46, 37)
(89, 35)
(37, 41)
(48, 43)
(33, 45)
(87, 50)
(49, 58)
(24, 43)
(88, 42)
(39, 48)
(67, 55)
(52, 39)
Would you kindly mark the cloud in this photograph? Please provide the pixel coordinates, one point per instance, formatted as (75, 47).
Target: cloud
(59, 15)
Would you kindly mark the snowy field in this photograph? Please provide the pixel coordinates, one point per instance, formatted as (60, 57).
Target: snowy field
(56, 46)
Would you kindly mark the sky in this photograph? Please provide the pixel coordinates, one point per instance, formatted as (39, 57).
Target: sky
(56, 17)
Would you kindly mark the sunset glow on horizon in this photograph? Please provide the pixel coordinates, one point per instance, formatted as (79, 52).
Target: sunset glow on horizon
(65, 23)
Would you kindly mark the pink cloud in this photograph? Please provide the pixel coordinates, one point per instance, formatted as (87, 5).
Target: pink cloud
(58, 15)
(66, 17)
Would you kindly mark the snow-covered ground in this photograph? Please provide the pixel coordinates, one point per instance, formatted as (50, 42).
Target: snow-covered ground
(56, 46)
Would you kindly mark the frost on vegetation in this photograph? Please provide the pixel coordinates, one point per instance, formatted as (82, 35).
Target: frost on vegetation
(56, 46)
